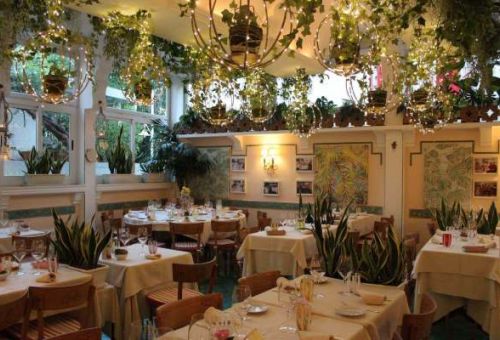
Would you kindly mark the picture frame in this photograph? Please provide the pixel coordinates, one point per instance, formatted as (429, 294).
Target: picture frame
(271, 188)
(485, 165)
(304, 163)
(485, 189)
(304, 187)
(237, 186)
(238, 164)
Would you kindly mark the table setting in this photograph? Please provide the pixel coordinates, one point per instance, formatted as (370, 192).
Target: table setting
(9, 228)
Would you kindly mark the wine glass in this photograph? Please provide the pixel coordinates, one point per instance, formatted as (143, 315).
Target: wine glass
(19, 253)
(124, 236)
(152, 247)
(198, 328)
(241, 300)
(344, 269)
(38, 249)
(142, 237)
(3, 224)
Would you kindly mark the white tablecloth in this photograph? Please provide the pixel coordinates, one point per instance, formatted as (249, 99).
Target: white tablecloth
(137, 275)
(6, 238)
(161, 223)
(457, 278)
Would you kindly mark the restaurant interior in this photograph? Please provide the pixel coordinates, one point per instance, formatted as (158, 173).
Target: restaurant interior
(249, 169)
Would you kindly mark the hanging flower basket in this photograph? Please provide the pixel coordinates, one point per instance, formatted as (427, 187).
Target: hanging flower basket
(489, 112)
(54, 86)
(217, 115)
(142, 91)
(245, 37)
(377, 98)
(419, 97)
(341, 120)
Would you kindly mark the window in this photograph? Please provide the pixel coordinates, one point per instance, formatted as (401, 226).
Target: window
(112, 128)
(144, 150)
(333, 87)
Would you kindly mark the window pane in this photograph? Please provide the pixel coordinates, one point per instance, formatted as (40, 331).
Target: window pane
(143, 147)
(56, 138)
(21, 137)
(112, 128)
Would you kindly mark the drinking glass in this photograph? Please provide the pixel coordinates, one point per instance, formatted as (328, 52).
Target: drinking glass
(152, 247)
(241, 299)
(52, 263)
(289, 326)
(344, 269)
(3, 224)
(124, 236)
(19, 253)
(38, 249)
(198, 328)
(447, 236)
(142, 237)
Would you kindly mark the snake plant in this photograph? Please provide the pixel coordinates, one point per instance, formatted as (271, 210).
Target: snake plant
(487, 224)
(445, 215)
(78, 244)
(120, 157)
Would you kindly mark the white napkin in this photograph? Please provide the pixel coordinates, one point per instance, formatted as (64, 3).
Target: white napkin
(439, 232)
(437, 239)
(213, 315)
(309, 335)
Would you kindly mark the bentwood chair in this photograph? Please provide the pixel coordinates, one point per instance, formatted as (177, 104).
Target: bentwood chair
(13, 313)
(260, 282)
(418, 326)
(264, 222)
(389, 220)
(109, 222)
(184, 273)
(84, 334)
(178, 314)
(218, 244)
(78, 298)
(28, 240)
(261, 214)
(192, 230)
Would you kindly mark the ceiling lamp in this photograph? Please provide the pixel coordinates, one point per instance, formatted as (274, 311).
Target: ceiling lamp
(100, 126)
(55, 65)
(259, 96)
(4, 126)
(247, 38)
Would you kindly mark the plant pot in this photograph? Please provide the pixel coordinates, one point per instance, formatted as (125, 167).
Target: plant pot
(419, 97)
(341, 120)
(98, 274)
(119, 178)
(242, 48)
(469, 114)
(44, 179)
(142, 91)
(377, 98)
(153, 177)
(54, 87)
(489, 112)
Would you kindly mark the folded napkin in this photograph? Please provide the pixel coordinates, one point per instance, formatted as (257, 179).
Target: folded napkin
(309, 335)
(439, 232)
(153, 256)
(46, 278)
(254, 335)
(44, 264)
(372, 298)
(213, 315)
(475, 248)
(437, 239)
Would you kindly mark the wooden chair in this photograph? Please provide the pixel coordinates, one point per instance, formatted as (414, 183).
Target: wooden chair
(45, 237)
(178, 314)
(261, 214)
(188, 229)
(244, 211)
(389, 220)
(218, 244)
(413, 235)
(381, 228)
(264, 222)
(109, 222)
(84, 334)
(184, 273)
(432, 227)
(260, 282)
(41, 299)
(410, 250)
(13, 313)
(244, 232)
(418, 326)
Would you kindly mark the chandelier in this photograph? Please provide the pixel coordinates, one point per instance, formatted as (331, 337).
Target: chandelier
(55, 65)
(246, 38)
(259, 96)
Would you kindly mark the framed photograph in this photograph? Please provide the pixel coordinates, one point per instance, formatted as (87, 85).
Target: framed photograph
(238, 164)
(304, 187)
(486, 165)
(485, 189)
(271, 188)
(237, 186)
(304, 163)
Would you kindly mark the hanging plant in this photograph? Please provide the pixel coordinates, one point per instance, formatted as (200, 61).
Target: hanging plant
(259, 95)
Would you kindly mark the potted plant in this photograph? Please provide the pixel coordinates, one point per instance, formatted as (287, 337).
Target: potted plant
(119, 162)
(349, 113)
(153, 171)
(377, 98)
(55, 82)
(79, 246)
(142, 90)
(42, 168)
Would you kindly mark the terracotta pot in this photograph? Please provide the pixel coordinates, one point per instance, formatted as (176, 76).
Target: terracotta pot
(238, 42)
(341, 121)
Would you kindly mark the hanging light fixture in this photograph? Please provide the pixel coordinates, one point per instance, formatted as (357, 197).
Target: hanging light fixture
(4, 126)
(259, 96)
(100, 126)
(63, 57)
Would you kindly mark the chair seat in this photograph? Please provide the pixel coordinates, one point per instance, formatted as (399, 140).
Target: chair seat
(53, 326)
(187, 246)
(225, 242)
(168, 295)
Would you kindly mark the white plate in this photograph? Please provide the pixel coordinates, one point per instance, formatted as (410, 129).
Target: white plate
(350, 311)
(257, 309)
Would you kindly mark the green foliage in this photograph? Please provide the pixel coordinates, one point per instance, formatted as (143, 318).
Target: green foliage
(57, 165)
(446, 215)
(120, 157)
(487, 224)
(78, 244)
(42, 163)
(153, 166)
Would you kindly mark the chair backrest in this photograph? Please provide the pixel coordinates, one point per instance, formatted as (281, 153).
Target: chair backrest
(389, 220)
(413, 235)
(264, 222)
(245, 212)
(260, 282)
(244, 232)
(197, 272)
(261, 214)
(410, 250)
(43, 299)
(45, 237)
(219, 226)
(178, 314)
(418, 326)
(432, 227)
(133, 229)
(109, 222)
(84, 334)
(190, 228)
(381, 228)
(13, 312)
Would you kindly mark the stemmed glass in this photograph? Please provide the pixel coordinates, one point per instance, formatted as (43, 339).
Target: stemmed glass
(38, 249)
(142, 237)
(198, 329)
(3, 224)
(241, 300)
(316, 273)
(19, 253)
(344, 269)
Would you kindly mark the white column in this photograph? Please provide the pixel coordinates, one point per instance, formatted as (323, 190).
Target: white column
(393, 184)
(177, 104)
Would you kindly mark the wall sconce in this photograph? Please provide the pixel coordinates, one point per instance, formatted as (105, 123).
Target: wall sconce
(268, 155)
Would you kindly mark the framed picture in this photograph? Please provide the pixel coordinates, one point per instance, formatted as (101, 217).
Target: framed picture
(304, 187)
(304, 163)
(486, 165)
(485, 189)
(237, 186)
(238, 164)
(271, 188)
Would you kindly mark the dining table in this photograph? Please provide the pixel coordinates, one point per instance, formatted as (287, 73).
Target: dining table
(456, 278)
(6, 238)
(161, 219)
(136, 276)
(289, 253)
(375, 322)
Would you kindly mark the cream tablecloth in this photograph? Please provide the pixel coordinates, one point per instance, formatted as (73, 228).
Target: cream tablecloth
(161, 223)
(6, 238)
(460, 279)
(137, 275)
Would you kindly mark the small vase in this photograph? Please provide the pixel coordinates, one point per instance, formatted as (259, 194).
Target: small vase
(303, 312)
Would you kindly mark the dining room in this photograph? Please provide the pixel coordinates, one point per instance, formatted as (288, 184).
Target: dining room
(257, 169)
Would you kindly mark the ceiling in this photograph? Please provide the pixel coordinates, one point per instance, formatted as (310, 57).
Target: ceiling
(168, 24)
